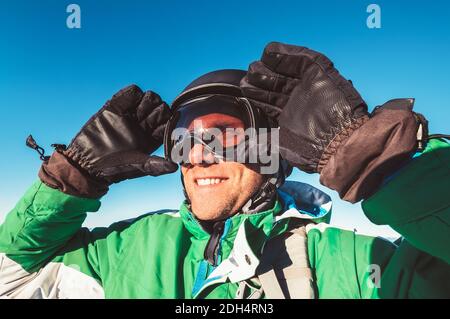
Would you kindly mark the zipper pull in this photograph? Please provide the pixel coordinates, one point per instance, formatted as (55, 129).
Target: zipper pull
(212, 248)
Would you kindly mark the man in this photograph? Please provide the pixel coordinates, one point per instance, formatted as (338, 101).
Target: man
(240, 233)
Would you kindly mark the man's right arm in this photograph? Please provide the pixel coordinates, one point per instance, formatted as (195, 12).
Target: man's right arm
(44, 223)
(43, 248)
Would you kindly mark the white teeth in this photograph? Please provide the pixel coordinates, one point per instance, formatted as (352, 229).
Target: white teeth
(209, 181)
(203, 182)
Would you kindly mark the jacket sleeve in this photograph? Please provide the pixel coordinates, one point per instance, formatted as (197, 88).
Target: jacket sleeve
(416, 203)
(44, 252)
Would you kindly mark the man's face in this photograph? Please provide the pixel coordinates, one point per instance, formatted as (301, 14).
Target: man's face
(218, 190)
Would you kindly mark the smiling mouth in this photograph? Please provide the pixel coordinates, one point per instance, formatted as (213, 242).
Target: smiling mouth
(209, 181)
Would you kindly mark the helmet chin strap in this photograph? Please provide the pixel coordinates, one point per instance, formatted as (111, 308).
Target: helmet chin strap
(265, 197)
(188, 201)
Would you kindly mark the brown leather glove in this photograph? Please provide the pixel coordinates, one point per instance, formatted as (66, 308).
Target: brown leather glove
(112, 146)
(325, 126)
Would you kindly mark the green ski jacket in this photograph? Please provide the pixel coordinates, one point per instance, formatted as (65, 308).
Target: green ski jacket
(45, 253)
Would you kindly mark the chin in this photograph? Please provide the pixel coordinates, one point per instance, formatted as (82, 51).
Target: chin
(205, 215)
(211, 213)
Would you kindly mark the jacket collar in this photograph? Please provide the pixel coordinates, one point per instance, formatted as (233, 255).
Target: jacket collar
(245, 235)
(295, 199)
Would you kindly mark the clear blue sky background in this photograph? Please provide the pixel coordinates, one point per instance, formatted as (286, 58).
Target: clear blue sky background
(53, 78)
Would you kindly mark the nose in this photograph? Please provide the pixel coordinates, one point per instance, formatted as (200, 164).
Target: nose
(200, 155)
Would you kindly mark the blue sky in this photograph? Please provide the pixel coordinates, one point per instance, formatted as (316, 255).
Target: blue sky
(53, 78)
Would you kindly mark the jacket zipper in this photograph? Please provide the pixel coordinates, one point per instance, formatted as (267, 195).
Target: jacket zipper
(212, 248)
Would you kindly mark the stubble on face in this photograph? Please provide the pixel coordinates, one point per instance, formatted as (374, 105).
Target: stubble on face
(218, 191)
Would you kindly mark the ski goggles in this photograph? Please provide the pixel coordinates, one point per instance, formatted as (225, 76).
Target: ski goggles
(211, 128)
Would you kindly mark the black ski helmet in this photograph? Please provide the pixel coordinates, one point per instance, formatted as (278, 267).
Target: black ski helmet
(217, 82)
(226, 82)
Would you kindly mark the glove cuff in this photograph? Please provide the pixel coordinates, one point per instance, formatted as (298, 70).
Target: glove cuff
(338, 140)
(357, 167)
(60, 173)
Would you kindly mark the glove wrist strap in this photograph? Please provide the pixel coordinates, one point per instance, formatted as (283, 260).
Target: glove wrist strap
(59, 173)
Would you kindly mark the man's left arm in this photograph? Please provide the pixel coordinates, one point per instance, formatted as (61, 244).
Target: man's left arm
(415, 201)
(378, 158)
